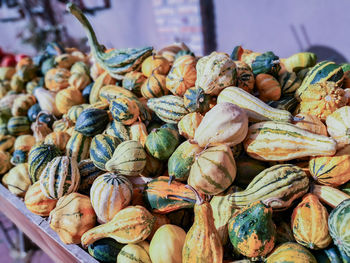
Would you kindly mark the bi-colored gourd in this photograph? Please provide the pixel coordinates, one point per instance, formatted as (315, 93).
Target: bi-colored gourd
(7, 143)
(189, 124)
(101, 149)
(196, 100)
(291, 252)
(155, 64)
(17, 179)
(267, 62)
(338, 126)
(161, 143)
(245, 76)
(56, 79)
(105, 250)
(329, 195)
(133, 81)
(46, 100)
(88, 173)
(311, 123)
(268, 87)
(300, 60)
(117, 129)
(67, 98)
(124, 110)
(154, 86)
(289, 82)
(138, 132)
(78, 146)
(22, 104)
(58, 138)
(92, 121)
(18, 125)
(134, 253)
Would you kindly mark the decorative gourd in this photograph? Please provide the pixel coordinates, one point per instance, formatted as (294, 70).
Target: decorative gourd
(332, 254)
(65, 60)
(153, 167)
(112, 92)
(67, 98)
(256, 109)
(60, 177)
(46, 100)
(202, 243)
(92, 121)
(161, 220)
(79, 80)
(7, 143)
(170, 108)
(57, 79)
(189, 123)
(33, 112)
(291, 252)
(245, 76)
(267, 62)
(64, 220)
(134, 253)
(154, 86)
(169, 52)
(5, 87)
(62, 125)
(163, 198)
(299, 61)
(80, 67)
(22, 104)
(133, 81)
(17, 84)
(289, 82)
(169, 240)
(231, 128)
(311, 123)
(247, 169)
(338, 126)
(22, 146)
(130, 225)
(138, 132)
(268, 87)
(277, 186)
(124, 110)
(277, 141)
(105, 250)
(252, 231)
(339, 224)
(6, 73)
(59, 139)
(117, 129)
(213, 171)
(215, 72)
(329, 195)
(102, 80)
(88, 173)
(39, 156)
(310, 223)
(322, 99)
(155, 64)
(161, 143)
(78, 146)
(102, 148)
(36, 202)
(18, 125)
(196, 100)
(17, 179)
(182, 75)
(5, 162)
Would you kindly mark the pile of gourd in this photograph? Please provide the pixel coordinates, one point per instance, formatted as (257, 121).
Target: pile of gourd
(145, 156)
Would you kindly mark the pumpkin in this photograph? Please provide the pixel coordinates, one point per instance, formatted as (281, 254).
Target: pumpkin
(105, 250)
(166, 245)
(88, 173)
(134, 253)
(231, 128)
(213, 171)
(124, 110)
(202, 243)
(196, 100)
(161, 143)
(338, 126)
(155, 64)
(102, 148)
(310, 123)
(118, 130)
(133, 81)
(92, 121)
(5, 162)
(22, 104)
(252, 231)
(67, 98)
(138, 132)
(46, 100)
(59, 139)
(154, 86)
(268, 87)
(17, 179)
(245, 76)
(291, 252)
(64, 220)
(18, 125)
(188, 124)
(215, 72)
(109, 194)
(56, 79)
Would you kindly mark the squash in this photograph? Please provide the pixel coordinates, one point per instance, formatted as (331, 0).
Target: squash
(129, 158)
(331, 254)
(155, 65)
(60, 177)
(22, 146)
(65, 60)
(124, 110)
(231, 128)
(5, 87)
(78, 146)
(5, 162)
(80, 67)
(338, 126)
(338, 223)
(289, 82)
(291, 252)
(182, 75)
(22, 104)
(64, 220)
(161, 220)
(92, 121)
(196, 100)
(118, 130)
(56, 79)
(79, 80)
(17, 180)
(33, 112)
(63, 124)
(105, 250)
(59, 139)
(133, 81)
(247, 169)
(215, 72)
(67, 98)
(245, 76)
(138, 132)
(310, 223)
(202, 243)
(310, 123)
(103, 80)
(130, 225)
(268, 87)
(102, 148)
(277, 141)
(277, 186)
(88, 173)
(166, 245)
(299, 61)
(161, 143)
(252, 231)
(213, 171)
(329, 195)
(188, 124)
(154, 86)
(267, 63)
(18, 125)
(36, 202)
(46, 100)
(134, 253)
(109, 194)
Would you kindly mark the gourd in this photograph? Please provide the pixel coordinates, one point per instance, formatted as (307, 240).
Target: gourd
(299, 61)
(88, 173)
(22, 104)
(5, 162)
(196, 100)
(310, 223)
(115, 62)
(189, 124)
(102, 80)
(36, 202)
(78, 146)
(202, 243)
(79, 80)
(245, 76)
(7, 143)
(64, 220)
(102, 148)
(6, 73)
(60, 177)
(17, 84)
(182, 75)
(58, 138)
(109, 194)
(153, 167)
(105, 250)
(322, 99)
(161, 143)
(134, 253)
(67, 98)
(117, 129)
(92, 121)
(154, 86)
(291, 252)
(130, 225)
(33, 112)
(329, 195)
(310, 123)
(277, 141)
(252, 231)
(80, 67)
(124, 110)
(268, 87)
(155, 64)
(138, 132)
(46, 100)
(18, 125)
(65, 60)
(231, 128)
(338, 126)
(161, 220)
(169, 52)
(213, 171)
(267, 63)
(256, 109)
(215, 72)
(247, 169)
(133, 81)
(22, 146)
(56, 79)
(17, 179)
(338, 223)
(288, 103)
(331, 254)
(169, 240)
(289, 82)
(277, 186)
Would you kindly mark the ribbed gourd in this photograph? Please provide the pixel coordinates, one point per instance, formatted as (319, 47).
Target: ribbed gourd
(161, 143)
(338, 126)
(124, 110)
(132, 253)
(18, 125)
(117, 129)
(154, 86)
(289, 82)
(88, 173)
(196, 100)
(22, 146)
(58, 138)
(92, 122)
(78, 146)
(5, 162)
(291, 252)
(67, 98)
(155, 64)
(22, 104)
(102, 148)
(56, 79)
(299, 61)
(17, 179)
(133, 81)
(267, 62)
(138, 132)
(189, 124)
(245, 76)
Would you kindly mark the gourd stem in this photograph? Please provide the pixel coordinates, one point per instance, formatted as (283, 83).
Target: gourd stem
(171, 179)
(199, 199)
(277, 61)
(190, 200)
(298, 118)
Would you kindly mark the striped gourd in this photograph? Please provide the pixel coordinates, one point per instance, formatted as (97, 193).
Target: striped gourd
(18, 125)
(60, 177)
(101, 149)
(124, 110)
(109, 194)
(58, 138)
(129, 159)
(321, 72)
(17, 179)
(245, 76)
(277, 141)
(291, 252)
(78, 146)
(338, 126)
(138, 132)
(5, 162)
(329, 195)
(339, 226)
(24, 142)
(288, 103)
(196, 100)
(105, 250)
(256, 109)
(7, 143)
(74, 112)
(170, 108)
(289, 82)
(92, 122)
(19, 156)
(154, 86)
(22, 104)
(3, 128)
(133, 81)
(62, 125)
(118, 130)
(88, 173)
(268, 87)
(278, 186)
(299, 61)
(162, 142)
(101, 105)
(213, 170)
(39, 156)
(135, 253)
(189, 124)
(33, 112)
(104, 79)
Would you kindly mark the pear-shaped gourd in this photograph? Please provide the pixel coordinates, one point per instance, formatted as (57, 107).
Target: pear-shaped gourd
(225, 123)
(134, 253)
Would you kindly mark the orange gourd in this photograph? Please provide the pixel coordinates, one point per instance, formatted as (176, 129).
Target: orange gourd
(269, 88)
(155, 64)
(310, 123)
(56, 79)
(37, 203)
(67, 98)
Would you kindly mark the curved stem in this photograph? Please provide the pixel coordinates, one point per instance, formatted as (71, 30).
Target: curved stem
(199, 199)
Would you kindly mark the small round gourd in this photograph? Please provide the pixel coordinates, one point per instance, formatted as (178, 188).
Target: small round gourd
(33, 112)
(7, 143)
(58, 138)
(88, 173)
(155, 64)
(269, 88)
(291, 252)
(22, 104)
(196, 100)
(79, 80)
(188, 124)
(117, 129)
(56, 79)
(154, 86)
(74, 112)
(18, 125)
(5, 162)
(102, 148)
(78, 146)
(161, 143)
(67, 98)
(22, 146)
(245, 76)
(134, 253)
(105, 250)
(17, 179)
(133, 81)
(92, 121)
(124, 110)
